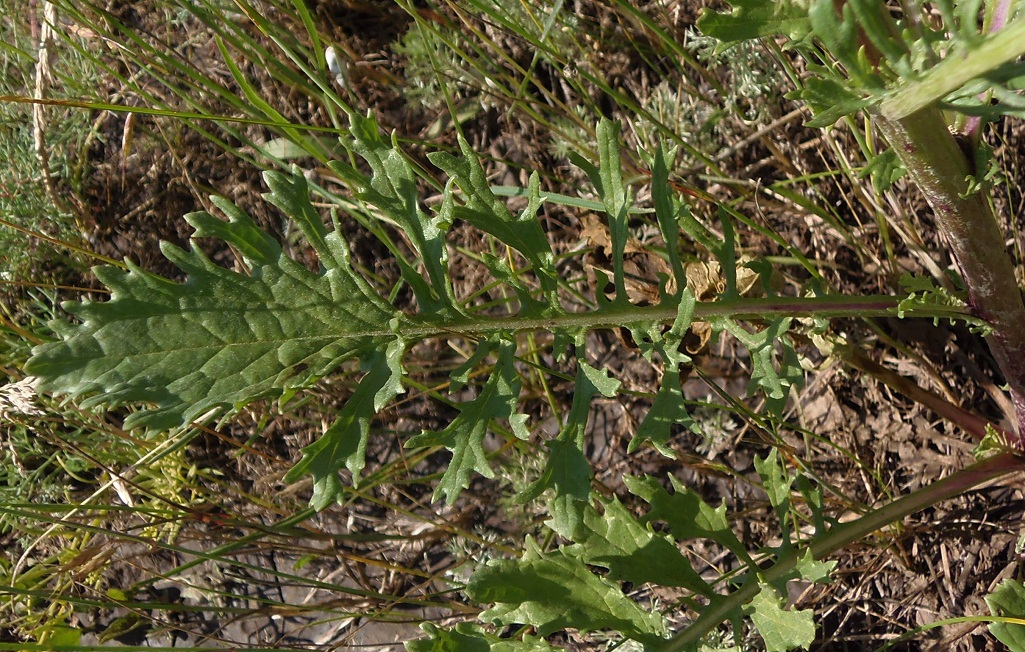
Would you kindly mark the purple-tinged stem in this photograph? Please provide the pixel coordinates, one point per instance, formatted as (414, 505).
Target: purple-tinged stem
(1001, 12)
(938, 166)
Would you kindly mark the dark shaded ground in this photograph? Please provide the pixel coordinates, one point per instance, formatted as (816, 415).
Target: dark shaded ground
(938, 564)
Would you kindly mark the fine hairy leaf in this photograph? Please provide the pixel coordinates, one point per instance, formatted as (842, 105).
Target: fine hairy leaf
(222, 338)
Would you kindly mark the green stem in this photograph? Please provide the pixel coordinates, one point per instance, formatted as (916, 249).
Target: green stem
(843, 535)
(761, 308)
(955, 71)
(938, 166)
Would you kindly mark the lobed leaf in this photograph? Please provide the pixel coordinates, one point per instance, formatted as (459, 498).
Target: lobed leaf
(780, 629)
(686, 514)
(669, 408)
(467, 637)
(755, 18)
(484, 210)
(775, 479)
(222, 338)
(567, 469)
(829, 100)
(924, 293)
(556, 591)
(392, 188)
(608, 181)
(767, 348)
(815, 571)
(668, 208)
(344, 443)
(633, 552)
(464, 437)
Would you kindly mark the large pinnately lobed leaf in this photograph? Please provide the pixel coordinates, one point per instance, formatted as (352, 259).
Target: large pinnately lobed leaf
(221, 338)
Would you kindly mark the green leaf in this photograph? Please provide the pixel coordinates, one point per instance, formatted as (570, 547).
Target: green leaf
(668, 208)
(291, 195)
(465, 637)
(608, 182)
(884, 169)
(877, 24)
(813, 500)
(514, 279)
(468, 637)
(392, 188)
(775, 479)
(465, 435)
(61, 635)
(556, 591)
(763, 346)
(1008, 601)
(686, 514)
(780, 629)
(815, 571)
(344, 443)
(222, 338)
(669, 408)
(117, 627)
(755, 18)
(488, 213)
(829, 100)
(567, 469)
(727, 254)
(632, 552)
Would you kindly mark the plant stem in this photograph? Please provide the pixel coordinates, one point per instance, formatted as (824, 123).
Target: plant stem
(762, 308)
(843, 535)
(938, 166)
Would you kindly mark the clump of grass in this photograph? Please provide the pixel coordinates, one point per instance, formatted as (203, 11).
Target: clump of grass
(43, 147)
